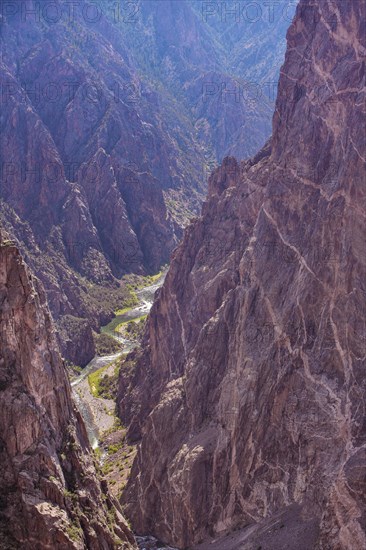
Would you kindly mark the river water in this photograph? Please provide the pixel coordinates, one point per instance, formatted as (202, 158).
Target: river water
(145, 297)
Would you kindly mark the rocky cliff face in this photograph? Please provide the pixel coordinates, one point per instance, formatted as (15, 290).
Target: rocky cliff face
(248, 397)
(50, 494)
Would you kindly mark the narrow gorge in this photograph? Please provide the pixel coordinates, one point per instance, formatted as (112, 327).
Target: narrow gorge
(110, 128)
(183, 295)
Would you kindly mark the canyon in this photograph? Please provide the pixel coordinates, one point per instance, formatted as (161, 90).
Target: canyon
(247, 398)
(110, 127)
(241, 393)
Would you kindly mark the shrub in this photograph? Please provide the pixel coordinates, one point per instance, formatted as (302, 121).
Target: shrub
(106, 345)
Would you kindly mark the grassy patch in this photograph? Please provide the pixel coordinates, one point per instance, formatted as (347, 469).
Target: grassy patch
(113, 449)
(108, 385)
(122, 311)
(111, 298)
(94, 380)
(137, 282)
(116, 325)
(104, 385)
(129, 303)
(111, 327)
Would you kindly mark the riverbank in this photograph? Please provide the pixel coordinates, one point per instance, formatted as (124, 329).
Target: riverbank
(93, 391)
(102, 409)
(99, 412)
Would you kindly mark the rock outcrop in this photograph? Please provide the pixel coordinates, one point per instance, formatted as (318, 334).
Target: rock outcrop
(249, 394)
(51, 496)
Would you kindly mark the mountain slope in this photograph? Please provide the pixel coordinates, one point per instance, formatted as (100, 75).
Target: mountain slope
(250, 37)
(248, 397)
(176, 45)
(50, 494)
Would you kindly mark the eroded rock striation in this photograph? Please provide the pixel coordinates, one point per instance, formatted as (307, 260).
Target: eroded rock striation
(248, 397)
(50, 493)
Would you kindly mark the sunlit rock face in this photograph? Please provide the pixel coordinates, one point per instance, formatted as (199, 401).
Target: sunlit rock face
(248, 396)
(50, 493)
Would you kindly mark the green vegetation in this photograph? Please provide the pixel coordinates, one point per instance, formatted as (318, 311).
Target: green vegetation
(73, 370)
(107, 468)
(76, 326)
(110, 299)
(129, 303)
(102, 384)
(98, 453)
(122, 311)
(98, 298)
(74, 532)
(111, 327)
(132, 283)
(106, 344)
(108, 385)
(133, 327)
(135, 282)
(113, 449)
(111, 517)
(119, 457)
(116, 324)
(94, 380)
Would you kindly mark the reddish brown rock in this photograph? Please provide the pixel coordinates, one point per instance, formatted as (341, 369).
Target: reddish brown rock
(248, 396)
(50, 493)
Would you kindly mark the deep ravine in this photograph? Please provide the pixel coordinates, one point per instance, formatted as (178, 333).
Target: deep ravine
(86, 403)
(84, 399)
